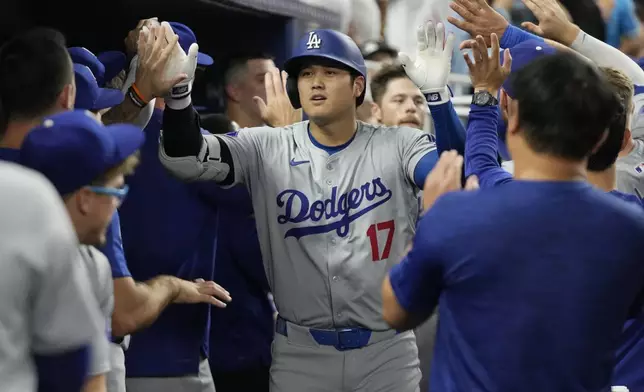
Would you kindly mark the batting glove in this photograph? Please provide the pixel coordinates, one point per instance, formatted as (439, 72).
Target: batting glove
(181, 63)
(433, 62)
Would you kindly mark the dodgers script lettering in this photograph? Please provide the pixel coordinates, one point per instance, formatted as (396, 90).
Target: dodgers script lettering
(347, 206)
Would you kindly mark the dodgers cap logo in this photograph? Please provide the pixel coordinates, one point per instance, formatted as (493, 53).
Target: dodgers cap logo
(314, 41)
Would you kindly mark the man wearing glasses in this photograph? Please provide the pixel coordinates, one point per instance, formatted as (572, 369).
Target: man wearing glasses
(87, 162)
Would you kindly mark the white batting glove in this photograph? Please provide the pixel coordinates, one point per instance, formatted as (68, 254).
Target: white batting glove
(433, 62)
(181, 63)
(186, 64)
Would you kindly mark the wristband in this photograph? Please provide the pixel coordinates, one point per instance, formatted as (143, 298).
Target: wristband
(135, 99)
(135, 95)
(512, 36)
(438, 97)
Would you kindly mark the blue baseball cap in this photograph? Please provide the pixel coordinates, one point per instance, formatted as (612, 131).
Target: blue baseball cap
(186, 38)
(91, 97)
(525, 53)
(85, 57)
(73, 148)
(114, 62)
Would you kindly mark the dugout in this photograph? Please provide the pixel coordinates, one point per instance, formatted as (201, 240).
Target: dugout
(221, 26)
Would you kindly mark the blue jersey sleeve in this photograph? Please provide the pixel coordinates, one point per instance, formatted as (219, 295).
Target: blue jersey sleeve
(113, 249)
(481, 148)
(417, 279)
(424, 167)
(512, 36)
(450, 132)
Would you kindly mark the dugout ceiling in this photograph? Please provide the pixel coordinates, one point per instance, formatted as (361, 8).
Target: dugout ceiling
(220, 25)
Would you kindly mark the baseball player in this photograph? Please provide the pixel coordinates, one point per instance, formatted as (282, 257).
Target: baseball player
(528, 299)
(169, 228)
(398, 101)
(481, 155)
(480, 19)
(48, 315)
(335, 205)
(86, 163)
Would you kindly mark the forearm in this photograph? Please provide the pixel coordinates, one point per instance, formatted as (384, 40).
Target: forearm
(181, 132)
(450, 132)
(96, 384)
(605, 55)
(481, 148)
(125, 112)
(143, 305)
(188, 154)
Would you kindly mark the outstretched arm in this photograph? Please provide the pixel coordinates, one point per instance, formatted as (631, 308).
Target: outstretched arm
(429, 71)
(554, 24)
(481, 149)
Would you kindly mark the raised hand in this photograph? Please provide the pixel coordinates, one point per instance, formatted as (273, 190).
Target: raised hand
(479, 18)
(485, 69)
(277, 111)
(156, 50)
(431, 67)
(554, 21)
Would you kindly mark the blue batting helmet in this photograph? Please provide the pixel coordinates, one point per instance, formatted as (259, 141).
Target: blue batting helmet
(323, 44)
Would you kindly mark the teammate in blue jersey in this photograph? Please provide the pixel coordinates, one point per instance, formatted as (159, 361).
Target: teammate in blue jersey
(170, 228)
(536, 277)
(561, 33)
(481, 157)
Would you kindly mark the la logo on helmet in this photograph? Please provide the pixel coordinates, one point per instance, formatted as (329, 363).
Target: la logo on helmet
(314, 41)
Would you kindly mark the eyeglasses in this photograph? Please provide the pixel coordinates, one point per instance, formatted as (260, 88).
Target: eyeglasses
(120, 193)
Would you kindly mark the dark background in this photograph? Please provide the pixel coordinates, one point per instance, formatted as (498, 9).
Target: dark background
(269, 25)
(222, 27)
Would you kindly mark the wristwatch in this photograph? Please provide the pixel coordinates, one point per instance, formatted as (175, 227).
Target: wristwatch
(484, 98)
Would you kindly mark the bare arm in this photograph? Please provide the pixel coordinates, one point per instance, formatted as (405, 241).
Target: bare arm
(394, 314)
(125, 112)
(96, 384)
(147, 72)
(554, 24)
(137, 305)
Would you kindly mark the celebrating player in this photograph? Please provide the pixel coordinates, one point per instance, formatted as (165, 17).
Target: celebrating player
(335, 204)
(398, 102)
(49, 314)
(480, 19)
(540, 305)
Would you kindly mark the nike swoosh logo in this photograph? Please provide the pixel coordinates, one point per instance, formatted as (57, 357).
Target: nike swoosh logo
(297, 163)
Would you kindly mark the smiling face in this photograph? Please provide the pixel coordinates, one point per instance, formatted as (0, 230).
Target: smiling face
(402, 105)
(326, 92)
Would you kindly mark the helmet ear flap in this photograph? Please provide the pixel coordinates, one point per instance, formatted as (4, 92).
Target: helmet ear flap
(292, 92)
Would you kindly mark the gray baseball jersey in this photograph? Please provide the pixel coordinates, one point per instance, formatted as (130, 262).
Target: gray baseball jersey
(630, 170)
(99, 275)
(46, 306)
(330, 226)
(637, 121)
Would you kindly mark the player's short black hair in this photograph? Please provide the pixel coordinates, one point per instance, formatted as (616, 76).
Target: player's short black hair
(381, 80)
(234, 62)
(565, 105)
(34, 68)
